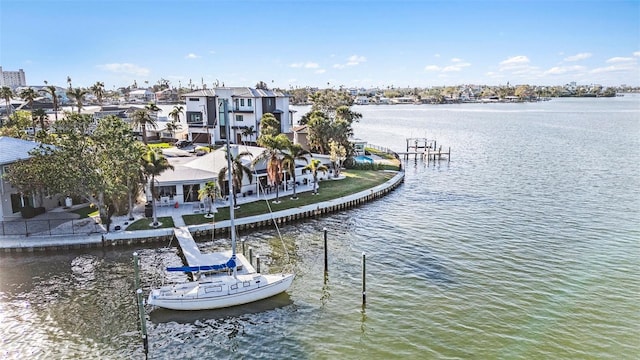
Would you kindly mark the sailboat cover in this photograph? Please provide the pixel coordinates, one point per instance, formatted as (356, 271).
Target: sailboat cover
(228, 265)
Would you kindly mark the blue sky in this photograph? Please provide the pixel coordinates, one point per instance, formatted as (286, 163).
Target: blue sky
(322, 43)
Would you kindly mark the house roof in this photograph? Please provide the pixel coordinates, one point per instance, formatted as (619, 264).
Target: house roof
(237, 92)
(203, 168)
(12, 149)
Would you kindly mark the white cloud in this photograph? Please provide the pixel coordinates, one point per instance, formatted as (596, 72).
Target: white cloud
(617, 60)
(577, 57)
(191, 56)
(307, 65)
(456, 65)
(558, 70)
(320, 71)
(514, 62)
(125, 68)
(636, 53)
(353, 60)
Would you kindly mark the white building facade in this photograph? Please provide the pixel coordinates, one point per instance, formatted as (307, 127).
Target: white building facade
(12, 79)
(246, 106)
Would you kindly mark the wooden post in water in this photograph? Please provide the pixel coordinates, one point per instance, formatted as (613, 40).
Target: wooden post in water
(364, 279)
(326, 252)
(243, 253)
(449, 155)
(136, 268)
(143, 322)
(251, 256)
(258, 264)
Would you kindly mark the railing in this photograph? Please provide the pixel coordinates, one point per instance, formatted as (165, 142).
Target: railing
(50, 227)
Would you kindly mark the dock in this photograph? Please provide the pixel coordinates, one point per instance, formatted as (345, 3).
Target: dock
(425, 148)
(193, 257)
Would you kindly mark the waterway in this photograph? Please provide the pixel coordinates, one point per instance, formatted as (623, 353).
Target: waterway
(525, 245)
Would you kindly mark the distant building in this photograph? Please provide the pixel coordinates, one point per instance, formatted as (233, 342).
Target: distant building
(12, 79)
(205, 116)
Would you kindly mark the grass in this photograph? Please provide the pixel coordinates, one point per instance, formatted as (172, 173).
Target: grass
(85, 212)
(354, 181)
(161, 145)
(145, 224)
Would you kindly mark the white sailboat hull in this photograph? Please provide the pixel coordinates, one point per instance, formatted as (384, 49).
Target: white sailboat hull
(220, 291)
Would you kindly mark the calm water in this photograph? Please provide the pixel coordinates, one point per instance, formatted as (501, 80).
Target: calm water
(526, 245)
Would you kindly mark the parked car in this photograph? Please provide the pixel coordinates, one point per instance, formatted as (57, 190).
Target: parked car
(183, 143)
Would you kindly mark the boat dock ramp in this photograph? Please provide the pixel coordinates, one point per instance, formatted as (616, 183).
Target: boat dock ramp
(425, 148)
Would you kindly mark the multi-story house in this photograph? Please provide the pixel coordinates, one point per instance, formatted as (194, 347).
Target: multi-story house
(246, 106)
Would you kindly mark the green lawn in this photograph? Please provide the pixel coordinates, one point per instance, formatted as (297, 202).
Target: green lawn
(86, 211)
(355, 181)
(145, 224)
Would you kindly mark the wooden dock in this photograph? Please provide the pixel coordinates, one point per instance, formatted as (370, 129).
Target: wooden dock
(425, 148)
(193, 256)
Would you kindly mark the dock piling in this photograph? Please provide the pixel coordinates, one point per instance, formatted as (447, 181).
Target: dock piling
(364, 280)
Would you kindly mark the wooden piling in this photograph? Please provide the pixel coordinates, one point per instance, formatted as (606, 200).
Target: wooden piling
(326, 251)
(364, 279)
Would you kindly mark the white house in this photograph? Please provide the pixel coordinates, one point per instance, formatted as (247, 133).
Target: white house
(142, 96)
(190, 174)
(205, 115)
(11, 201)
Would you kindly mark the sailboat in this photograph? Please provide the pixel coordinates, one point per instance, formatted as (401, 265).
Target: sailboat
(221, 285)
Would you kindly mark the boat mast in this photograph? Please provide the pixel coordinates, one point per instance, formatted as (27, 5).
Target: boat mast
(232, 226)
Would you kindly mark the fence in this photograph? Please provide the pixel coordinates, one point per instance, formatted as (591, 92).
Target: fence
(50, 227)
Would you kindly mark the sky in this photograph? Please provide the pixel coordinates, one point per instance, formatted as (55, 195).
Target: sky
(290, 44)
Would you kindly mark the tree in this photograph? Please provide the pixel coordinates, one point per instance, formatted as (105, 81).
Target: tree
(78, 95)
(29, 95)
(40, 116)
(269, 125)
(319, 131)
(154, 164)
(248, 132)
(95, 166)
(175, 113)
(209, 192)
(293, 152)
(238, 171)
(329, 100)
(51, 90)
(315, 166)
(6, 94)
(98, 90)
(142, 119)
(172, 127)
(272, 156)
(175, 123)
(261, 85)
(337, 154)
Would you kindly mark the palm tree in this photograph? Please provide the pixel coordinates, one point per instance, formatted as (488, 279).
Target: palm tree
(293, 152)
(172, 127)
(314, 166)
(272, 155)
(51, 90)
(248, 132)
(28, 95)
(153, 164)
(175, 113)
(238, 170)
(6, 94)
(78, 95)
(69, 82)
(98, 90)
(210, 192)
(141, 118)
(175, 123)
(41, 116)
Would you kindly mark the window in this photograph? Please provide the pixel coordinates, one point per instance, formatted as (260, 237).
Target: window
(239, 118)
(241, 102)
(194, 99)
(249, 102)
(194, 117)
